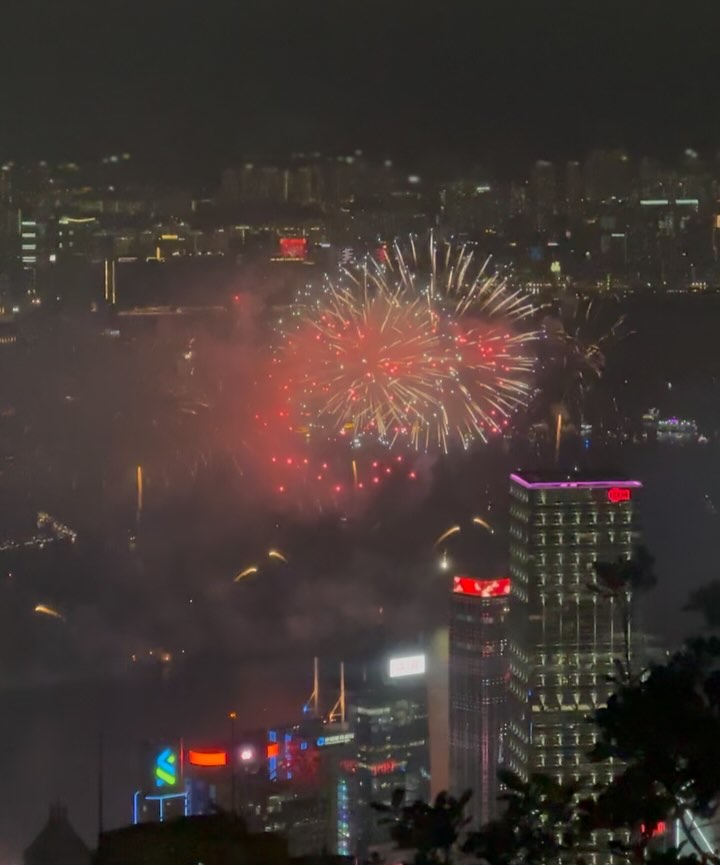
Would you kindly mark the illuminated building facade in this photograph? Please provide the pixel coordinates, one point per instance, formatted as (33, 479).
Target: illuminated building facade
(293, 780)
(478, 689)
(195, 781)
(309, 801)
(564, 636)
(389, 716)
(165, 791)
(29, 241)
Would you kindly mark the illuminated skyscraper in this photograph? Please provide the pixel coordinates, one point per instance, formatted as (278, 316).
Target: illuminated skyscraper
(29, 239)
(478, 690)
(564, 636)
(389, 716)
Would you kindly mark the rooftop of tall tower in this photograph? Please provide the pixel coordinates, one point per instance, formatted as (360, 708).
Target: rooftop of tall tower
(558, 479)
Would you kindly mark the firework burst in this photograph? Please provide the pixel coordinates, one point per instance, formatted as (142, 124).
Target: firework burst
(422, 346)
(577, 337)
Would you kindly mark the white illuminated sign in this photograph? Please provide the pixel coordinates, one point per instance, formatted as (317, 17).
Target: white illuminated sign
(336, 739)
(413, 665)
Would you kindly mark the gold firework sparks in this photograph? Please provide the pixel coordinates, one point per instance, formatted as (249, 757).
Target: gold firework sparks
(453, 530)
(45, 610)
(479, 521)
(414, 352)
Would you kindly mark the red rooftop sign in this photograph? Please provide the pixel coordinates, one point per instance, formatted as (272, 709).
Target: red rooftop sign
(481, 588)
(619, 494)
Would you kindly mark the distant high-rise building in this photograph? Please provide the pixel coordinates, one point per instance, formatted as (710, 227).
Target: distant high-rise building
(310, 764)
(478, 690)
(543, 186)
(29, 241)
(564, 636)
(607, 176)
(574, 191)
(254, 184)
(389, 716)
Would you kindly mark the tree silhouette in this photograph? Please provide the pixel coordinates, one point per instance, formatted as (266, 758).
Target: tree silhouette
(618, 581)
(664, 727)
(538, 824)
(431, 830)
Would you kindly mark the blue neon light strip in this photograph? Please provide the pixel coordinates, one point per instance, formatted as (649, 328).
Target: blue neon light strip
(166, 796)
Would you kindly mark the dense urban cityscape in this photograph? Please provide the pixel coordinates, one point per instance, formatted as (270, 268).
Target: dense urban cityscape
(358, 504)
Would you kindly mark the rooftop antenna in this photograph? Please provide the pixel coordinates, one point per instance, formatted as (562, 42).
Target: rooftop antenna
(313, 700)
(337, 713)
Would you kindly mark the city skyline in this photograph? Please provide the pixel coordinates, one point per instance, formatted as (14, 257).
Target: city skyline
(362, 332)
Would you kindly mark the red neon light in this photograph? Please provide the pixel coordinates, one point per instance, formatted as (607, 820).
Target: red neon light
(293, 247)
(207, 758)
(481, 588)
(385, 768)
(659, 829)
(619, 494)
(273, 750)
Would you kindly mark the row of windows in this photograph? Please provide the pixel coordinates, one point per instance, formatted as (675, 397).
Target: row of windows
(594, 517)
(581, 538)
(584, 679)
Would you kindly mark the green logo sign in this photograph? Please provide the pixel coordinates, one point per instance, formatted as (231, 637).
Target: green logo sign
(166, 768)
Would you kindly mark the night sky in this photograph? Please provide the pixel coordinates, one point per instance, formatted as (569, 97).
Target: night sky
(188, 87)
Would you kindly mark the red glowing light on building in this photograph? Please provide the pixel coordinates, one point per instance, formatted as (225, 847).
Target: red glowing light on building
(660, 828)
(481, 588)
(293, 247)
(207, 758)
(273, 750)
(619, 494)
(385, 768)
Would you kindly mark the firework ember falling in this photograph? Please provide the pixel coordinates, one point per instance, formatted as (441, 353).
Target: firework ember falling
(411, 349)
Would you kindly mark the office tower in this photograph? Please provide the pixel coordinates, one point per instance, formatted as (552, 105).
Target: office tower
(543, 185)
(564, 637)
(478, 690)
(573, 189)
(389, 715)
(308, 766)
(608, 176)
(28, 230)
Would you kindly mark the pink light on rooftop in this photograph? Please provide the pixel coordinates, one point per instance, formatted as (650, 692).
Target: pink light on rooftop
(574, 485)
